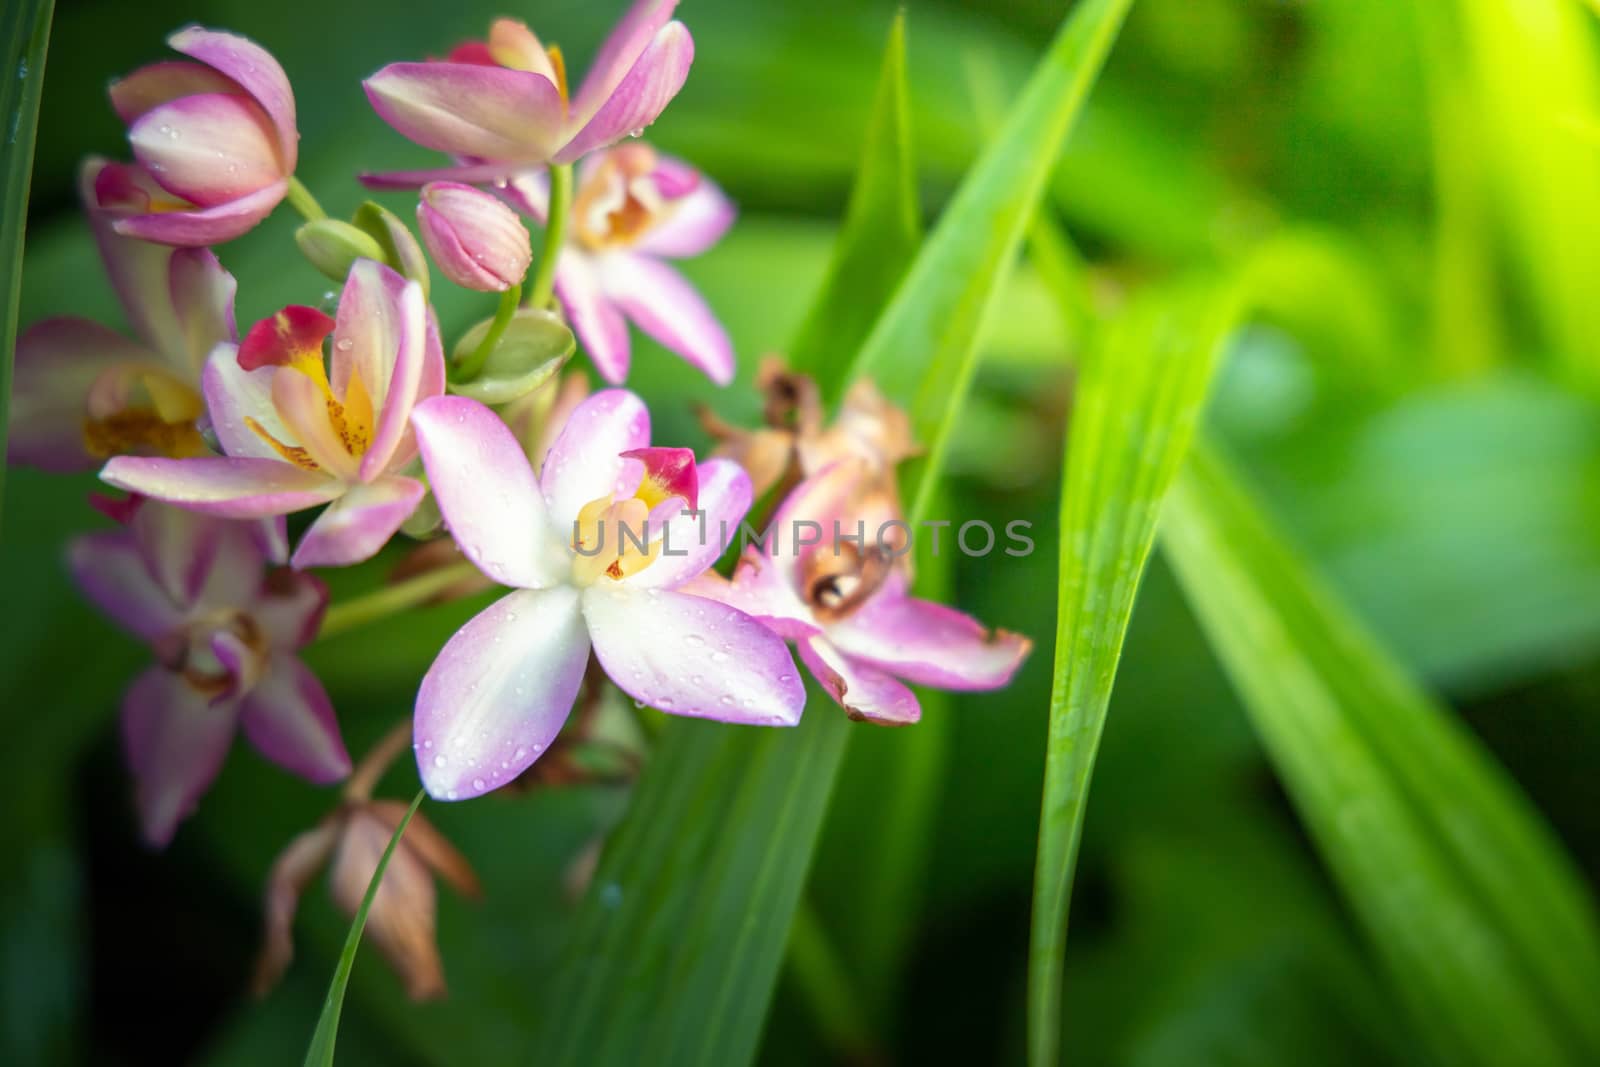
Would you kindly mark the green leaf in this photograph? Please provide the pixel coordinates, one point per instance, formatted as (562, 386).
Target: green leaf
(677, 947)
(320, 1052)
(25, 31)
(1463, 892)
(882, 228)
(922, 352)
(1139, 398)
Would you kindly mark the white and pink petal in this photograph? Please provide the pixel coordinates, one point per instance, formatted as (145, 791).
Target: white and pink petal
(288, 717)
(356, 525)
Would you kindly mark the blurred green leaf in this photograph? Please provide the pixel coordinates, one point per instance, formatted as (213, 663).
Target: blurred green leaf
(25, 33)
(923, 350)
(880, 233)
(1464, 894)
(1140, 392)
(326, 1035)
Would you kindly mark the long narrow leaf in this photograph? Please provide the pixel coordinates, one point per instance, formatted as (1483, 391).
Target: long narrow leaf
(881, 231)
(1462, 891)
(677, 948)
(922, 351)
(1141, 390)
(326, 1035)
(24, 37)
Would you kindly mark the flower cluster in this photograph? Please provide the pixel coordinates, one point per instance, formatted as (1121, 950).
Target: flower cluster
(606, 542)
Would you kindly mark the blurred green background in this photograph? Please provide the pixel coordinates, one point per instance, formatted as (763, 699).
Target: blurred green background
(1420, 176)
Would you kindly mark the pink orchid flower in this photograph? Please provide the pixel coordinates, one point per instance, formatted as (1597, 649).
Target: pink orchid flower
(501, 105)
(83, 393)
(225, 631)
(849, 613)
(502, 687)
(216, 138)
(633, 209)
(299, 431)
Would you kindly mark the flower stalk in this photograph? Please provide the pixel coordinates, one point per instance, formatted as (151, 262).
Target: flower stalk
(470, 367)
(555, 236)
(301, 200)
(392, 599)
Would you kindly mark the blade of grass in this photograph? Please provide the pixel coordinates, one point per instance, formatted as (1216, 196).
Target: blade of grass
(881, 231)
(1140, 393)
(922, 350)
(326, 1035)
(676, 950)
(1463, 892)
(25, 31)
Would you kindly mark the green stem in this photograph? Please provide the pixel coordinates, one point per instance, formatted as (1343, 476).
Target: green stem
(825, 984)
(391, 599)
(555, 235)
(469, 368)
(320, 1053)
(301, 200)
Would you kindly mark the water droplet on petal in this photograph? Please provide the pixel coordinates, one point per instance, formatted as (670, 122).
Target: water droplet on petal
(478, 783)
(439, 761)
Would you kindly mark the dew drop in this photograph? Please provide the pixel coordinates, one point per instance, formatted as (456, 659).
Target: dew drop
(693, 639)
(439, 761)
(427, 744)
(344, 344)
(477, 783)
(452, 795)
(725, 700)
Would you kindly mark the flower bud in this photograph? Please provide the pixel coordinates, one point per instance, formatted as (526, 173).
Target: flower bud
(477, 241)
(333, 246)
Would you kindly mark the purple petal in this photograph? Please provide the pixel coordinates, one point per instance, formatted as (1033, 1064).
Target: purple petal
(140, 272)
(180, 549)
(112, 572)
(529, 193)
(693, 222)
(209, 226)
(499, 692)
(470, 110)
(621, 50)
(668, 308)
(762, 591)
(382, 337)
(487, 493)
(596, 320)
(272, 538)
(862, 690)
(256, 72)
(643, 94)
(586, 461)
(289, 718)
(471, 173)
(232, 488)
(210, 149)
(359, 523)
(176, 742)
(57, 362)
(691, 656)
(928, 643)
(234, 395)
(235, 563)
(823, 499)
(289, 607)
(201, 296)
(153, 85)
(691, 543)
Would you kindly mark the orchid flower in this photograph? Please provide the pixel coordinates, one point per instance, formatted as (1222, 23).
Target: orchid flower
(501, 106)
(502, 687)
(633, 209)
(299, 432)
(216, 138)
(846, 606)
(224, 630)
(83, 392)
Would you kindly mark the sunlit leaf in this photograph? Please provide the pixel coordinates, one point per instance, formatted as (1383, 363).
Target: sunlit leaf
(24, 37)
(881, 230)
(1462, 890)
(1140, 392)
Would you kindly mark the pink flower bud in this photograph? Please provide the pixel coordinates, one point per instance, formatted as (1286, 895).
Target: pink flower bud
(477, 241)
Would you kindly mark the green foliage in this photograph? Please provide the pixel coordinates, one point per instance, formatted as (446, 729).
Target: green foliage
(1485, 931)
(24, 36)
(1138, 399)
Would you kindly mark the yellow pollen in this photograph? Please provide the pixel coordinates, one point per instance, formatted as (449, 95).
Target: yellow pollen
(140, 430)
(293, 453)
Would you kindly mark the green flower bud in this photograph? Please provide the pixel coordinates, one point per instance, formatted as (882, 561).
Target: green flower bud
(400, 248)
(332, 246)
(533, 348)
